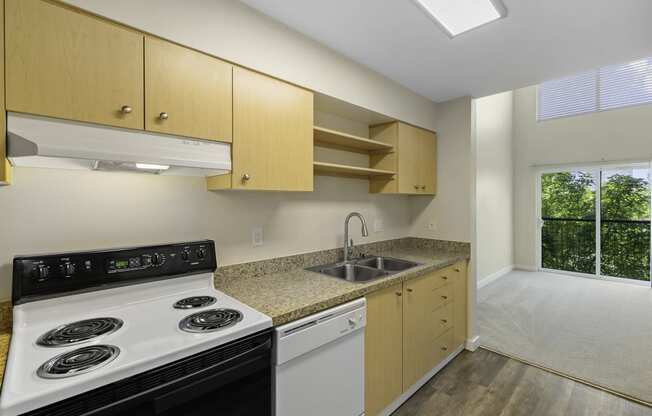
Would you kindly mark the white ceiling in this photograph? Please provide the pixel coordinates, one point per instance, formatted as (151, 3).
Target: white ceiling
(539, 40)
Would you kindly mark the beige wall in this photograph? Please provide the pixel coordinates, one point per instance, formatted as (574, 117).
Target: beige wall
(448, 215)
(58, 210)
(611, 136)
(494, 184)
(233, 31)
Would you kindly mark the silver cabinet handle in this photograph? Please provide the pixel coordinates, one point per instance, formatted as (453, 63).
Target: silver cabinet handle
(125, 109)
(163, 116)
(246, 177)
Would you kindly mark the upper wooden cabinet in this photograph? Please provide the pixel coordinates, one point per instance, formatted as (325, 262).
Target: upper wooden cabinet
(272, 135)
(65, 64)
(188, 93)
(414, 159)
(383, 349)
(5, 168)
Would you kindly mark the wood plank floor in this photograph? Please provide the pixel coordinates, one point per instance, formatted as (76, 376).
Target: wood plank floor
(488, 384)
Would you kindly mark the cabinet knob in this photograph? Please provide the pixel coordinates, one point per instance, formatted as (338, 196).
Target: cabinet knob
(444, 348)
(445, 277)
(409, 290)
(416, 186)
(399, 294)
(457, 270)
(444, 321)
(163, 116)
(246, 177)
(423, 187)
(444, 297)
(125, 109)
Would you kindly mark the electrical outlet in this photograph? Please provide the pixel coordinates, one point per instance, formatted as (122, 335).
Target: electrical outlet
(257, 236)
(379, 226)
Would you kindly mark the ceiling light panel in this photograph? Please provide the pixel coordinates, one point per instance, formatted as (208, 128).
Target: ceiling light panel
(459, 16)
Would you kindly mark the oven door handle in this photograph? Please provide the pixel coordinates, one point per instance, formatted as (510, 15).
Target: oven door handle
(213, 381)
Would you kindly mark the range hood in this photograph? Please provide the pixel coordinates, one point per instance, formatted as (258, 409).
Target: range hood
(52, 143)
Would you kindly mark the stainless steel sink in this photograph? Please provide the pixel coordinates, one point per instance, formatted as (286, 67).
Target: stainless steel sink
(350, 272)
(387, 263)
(364, 269)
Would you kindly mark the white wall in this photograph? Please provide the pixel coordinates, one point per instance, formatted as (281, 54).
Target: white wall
(59, 210)
(233, 31)
(448, 215)
(494, 184)
(615, 135)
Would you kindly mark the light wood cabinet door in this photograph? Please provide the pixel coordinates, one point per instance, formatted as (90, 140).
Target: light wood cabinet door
(5, 168)
(460, 282)
(65, 64)
(383, 349)
(409, 158)
(187, 93)
(428, 162)
(418, 329)
(272, 134)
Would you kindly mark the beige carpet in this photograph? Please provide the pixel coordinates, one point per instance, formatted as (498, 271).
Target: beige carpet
(593, 330)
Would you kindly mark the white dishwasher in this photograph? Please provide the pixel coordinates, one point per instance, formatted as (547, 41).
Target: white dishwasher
(319, 363)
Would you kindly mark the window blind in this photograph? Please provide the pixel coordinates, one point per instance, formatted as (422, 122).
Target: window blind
(628, 84)
(609, 87)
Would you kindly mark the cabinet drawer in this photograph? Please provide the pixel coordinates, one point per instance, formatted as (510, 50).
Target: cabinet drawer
(442, 295)
(444, 345)
(442, 319)
(442, 277)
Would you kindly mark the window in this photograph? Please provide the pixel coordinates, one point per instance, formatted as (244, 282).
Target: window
(606, 88)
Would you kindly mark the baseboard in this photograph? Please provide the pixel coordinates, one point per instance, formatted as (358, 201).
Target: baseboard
(525, 267)
(494, 276)
(416, 386)
(472, 344)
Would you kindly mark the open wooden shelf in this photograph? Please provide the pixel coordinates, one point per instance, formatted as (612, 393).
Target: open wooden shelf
(332, 138)
(346, 170)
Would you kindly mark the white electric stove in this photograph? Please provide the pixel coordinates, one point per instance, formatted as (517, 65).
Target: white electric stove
(157, 307)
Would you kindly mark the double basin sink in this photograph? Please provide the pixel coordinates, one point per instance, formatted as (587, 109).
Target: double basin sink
(365, 269)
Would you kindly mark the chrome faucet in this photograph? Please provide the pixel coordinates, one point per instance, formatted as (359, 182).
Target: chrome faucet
(348, 247)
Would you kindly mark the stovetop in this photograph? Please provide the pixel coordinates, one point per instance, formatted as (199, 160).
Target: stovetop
(141, 329)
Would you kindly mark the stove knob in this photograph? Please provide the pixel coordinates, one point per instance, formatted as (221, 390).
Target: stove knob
(156, 259)
(185, 255)
(201, 253)
(68, 269)
(41, 272)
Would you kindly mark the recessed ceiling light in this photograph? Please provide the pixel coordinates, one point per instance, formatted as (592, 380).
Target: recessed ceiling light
(459, 16)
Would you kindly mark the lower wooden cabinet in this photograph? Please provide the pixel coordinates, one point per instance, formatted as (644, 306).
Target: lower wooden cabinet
(5, 168)
(383, 348)
(411, 328)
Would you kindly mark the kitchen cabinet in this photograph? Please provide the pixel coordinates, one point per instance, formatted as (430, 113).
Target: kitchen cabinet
(272, 135)
(187, 93)
(5, 168)
(383, 348)
(66, 64)
(414, 159)
(411, 328)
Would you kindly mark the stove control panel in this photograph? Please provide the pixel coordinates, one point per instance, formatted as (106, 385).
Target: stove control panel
(42, 276)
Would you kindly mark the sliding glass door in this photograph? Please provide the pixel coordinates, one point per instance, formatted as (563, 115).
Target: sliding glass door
(596, 222)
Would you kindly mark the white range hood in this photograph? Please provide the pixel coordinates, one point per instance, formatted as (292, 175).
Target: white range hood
(52, 143)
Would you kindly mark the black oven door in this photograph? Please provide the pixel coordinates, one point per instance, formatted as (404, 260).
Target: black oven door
(234, 379)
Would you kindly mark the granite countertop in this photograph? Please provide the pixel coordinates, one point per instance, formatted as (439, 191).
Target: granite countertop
(293, 293)
(5, 335)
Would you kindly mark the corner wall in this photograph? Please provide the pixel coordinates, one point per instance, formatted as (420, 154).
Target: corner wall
(494, 185)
